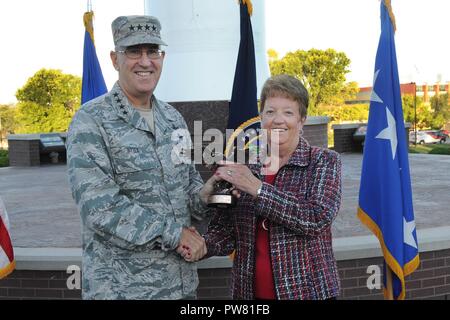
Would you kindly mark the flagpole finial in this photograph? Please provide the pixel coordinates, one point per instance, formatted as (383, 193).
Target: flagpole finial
(249, 6)
(388, 5)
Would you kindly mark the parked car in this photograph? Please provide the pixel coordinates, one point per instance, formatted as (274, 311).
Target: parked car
(423, 137)
(439, 134)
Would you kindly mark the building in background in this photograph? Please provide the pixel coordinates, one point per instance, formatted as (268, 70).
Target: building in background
(424, 90)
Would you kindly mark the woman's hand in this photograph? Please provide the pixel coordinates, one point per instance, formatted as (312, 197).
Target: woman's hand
(240, 176)
(192, 246)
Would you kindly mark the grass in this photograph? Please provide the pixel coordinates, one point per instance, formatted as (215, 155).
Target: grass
(4, 160)
(430, 149)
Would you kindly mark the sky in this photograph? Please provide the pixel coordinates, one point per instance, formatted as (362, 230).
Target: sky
(39, 34)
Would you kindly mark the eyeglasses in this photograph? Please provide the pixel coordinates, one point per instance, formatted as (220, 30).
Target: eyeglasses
(136, 53)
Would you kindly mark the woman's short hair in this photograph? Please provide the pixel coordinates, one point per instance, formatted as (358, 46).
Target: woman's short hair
(286, 86)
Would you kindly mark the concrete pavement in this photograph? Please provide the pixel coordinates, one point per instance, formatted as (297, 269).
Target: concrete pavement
(43, 214)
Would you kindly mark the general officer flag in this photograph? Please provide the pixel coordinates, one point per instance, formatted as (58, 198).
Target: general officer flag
(385, 197)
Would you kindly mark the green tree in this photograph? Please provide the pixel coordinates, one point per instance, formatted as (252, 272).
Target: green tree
(48, 101)
(408, 108)
(321, 71)
(272, 54)
(7, 120)
(433, 115)
(441, 111)
(337, 114)
(347, 92)
(424, 116)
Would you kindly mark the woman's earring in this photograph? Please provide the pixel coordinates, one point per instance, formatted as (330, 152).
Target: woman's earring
(301, 132)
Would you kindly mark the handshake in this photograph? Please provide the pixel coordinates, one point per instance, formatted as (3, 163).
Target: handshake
(192, 246)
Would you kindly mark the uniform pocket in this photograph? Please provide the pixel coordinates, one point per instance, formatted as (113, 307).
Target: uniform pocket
(132, 159)
(148, 277)
(135, 169)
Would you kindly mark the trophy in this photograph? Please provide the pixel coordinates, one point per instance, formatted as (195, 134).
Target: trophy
(221, 197)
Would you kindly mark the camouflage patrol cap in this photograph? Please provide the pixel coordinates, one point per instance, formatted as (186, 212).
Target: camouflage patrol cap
(132, 30)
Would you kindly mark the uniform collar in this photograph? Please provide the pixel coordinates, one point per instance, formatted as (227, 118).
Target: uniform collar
(163, 119)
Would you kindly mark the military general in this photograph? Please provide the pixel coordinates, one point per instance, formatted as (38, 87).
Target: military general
(136, 203)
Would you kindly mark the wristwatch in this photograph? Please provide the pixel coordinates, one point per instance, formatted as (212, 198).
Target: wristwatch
(258, 192)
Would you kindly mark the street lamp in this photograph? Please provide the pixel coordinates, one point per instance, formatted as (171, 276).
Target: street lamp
(1, 133)
(415, 113)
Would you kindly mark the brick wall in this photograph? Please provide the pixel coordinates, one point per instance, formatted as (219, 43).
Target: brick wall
(430, 281)
(214, 284)
(25, 150)
(24, 153)
(33, 284)
(317, 135)
(343, 138)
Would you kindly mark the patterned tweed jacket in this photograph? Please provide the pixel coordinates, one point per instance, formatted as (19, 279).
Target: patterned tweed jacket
(300, 207)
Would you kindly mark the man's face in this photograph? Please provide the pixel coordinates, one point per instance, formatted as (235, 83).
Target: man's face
(139, 69)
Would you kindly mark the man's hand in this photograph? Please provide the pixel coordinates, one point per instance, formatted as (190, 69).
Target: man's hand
(208, 188)
(192, 246)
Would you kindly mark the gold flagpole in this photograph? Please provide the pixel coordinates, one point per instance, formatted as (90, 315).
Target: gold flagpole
(389, 288)
(388, 5)
(88, 18)
(249, 6)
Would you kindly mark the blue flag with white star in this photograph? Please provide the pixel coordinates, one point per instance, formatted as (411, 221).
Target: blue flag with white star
(385, 197)
(93, 84)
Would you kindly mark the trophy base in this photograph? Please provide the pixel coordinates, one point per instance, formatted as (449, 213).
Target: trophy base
(222, 201)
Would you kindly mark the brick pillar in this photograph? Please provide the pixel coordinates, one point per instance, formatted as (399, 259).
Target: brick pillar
(343, 138)
(23, 153)
(448, 92)
(425, 92)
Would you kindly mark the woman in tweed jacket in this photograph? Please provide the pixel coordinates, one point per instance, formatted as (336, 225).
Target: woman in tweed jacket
(280, 229)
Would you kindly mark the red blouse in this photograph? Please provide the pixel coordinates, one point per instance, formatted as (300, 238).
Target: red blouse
(264, 285)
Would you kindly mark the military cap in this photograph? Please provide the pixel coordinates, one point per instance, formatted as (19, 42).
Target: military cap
(133, 30)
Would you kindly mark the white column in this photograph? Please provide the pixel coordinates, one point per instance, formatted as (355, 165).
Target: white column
(203, 42)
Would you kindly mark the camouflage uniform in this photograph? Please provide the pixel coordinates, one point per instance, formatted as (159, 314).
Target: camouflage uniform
(133, 200)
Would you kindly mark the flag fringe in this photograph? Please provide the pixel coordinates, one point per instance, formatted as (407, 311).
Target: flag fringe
(249, 6)
(237, 132)
(388, 5)
(88, 24)
(389, 258)
(8, 269)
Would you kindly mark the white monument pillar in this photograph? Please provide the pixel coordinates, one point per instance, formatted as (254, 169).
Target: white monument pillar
(203, 42)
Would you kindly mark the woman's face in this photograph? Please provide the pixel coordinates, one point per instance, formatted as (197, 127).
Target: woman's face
(281, 118)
